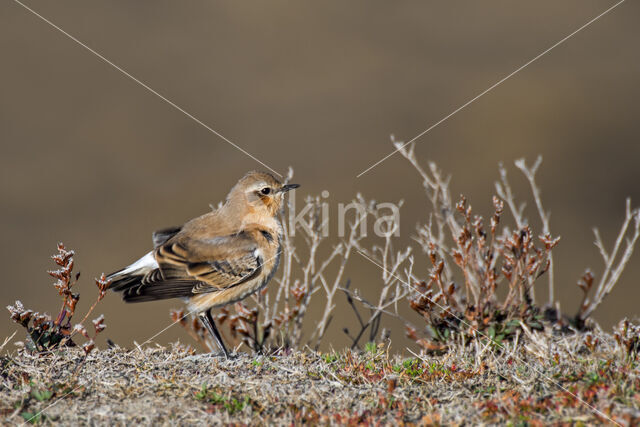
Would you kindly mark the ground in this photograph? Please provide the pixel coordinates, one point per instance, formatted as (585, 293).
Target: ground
(561, 380)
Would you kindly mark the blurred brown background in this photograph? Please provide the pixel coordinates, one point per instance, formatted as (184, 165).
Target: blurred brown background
(91, 158)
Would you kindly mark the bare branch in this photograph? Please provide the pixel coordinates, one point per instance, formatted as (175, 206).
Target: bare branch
(612, 270)
(530, 174)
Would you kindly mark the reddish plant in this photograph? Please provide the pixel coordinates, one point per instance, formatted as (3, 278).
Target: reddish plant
(45, 333)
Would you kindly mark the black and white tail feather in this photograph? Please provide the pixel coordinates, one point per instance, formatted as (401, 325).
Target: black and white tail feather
(132, 280)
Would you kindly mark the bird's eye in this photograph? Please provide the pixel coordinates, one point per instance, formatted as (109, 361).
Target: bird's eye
(265, 190)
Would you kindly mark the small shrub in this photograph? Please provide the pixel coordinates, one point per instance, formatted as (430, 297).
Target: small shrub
(470, 262)
(45, 333)
(627, 336)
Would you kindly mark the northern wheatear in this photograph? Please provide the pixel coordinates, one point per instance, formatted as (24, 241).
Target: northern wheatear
(216, 259)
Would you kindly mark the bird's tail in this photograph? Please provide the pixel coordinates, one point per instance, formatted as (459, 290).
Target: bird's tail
(121, 283)
(133, 274)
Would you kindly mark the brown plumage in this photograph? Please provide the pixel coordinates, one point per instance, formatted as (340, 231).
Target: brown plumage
(215, 259)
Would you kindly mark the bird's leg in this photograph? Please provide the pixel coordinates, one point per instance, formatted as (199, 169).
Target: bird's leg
(207, 321)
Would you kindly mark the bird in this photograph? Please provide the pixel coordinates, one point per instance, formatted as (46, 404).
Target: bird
(215, 259)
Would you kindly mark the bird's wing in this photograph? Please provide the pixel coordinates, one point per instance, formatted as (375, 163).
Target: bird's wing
(211, 264)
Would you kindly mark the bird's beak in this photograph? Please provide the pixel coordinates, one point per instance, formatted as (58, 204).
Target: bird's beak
(288, 187)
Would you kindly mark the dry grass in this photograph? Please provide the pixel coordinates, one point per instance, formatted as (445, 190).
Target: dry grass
(565, 380)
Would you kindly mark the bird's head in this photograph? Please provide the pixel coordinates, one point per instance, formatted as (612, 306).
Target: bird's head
(261, 192)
